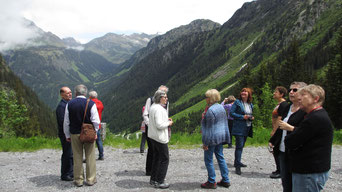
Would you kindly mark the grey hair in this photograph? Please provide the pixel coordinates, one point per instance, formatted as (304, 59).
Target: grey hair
(81, 90)
(163, 88)
(93, 94)
(158, 95)
(299, 83)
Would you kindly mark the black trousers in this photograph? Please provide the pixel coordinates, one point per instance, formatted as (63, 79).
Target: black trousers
(66, 159)
(149, 157)
(142, 143)
(160, 161)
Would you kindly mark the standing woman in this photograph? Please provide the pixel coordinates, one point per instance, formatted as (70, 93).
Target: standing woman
(293, 115)
(159, 135)
(277, 114)
(310, 143)
(215, 133)
(229, 100)
(242, 111)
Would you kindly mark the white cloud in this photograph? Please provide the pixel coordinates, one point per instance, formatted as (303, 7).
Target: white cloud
(88, 19)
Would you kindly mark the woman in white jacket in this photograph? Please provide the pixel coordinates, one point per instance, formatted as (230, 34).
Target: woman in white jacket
(158, 133)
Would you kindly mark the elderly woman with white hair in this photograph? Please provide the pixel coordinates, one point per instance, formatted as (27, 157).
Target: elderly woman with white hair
(158, 133)
(310, 143)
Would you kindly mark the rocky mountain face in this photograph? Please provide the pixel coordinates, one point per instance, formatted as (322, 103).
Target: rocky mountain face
(118, 48)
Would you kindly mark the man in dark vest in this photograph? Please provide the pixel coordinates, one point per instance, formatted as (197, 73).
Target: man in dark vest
(149, 102)
(66, 159)
(73, 119)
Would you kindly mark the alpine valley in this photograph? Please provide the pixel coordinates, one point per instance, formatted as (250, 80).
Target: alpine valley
(266, 42)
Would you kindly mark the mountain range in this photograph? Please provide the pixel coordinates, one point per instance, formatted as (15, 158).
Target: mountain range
(260, 43)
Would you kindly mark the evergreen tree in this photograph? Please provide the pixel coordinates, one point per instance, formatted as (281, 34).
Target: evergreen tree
(293, 69)
(333, 85)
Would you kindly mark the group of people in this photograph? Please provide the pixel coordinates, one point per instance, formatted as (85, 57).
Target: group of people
(70, 115)
(301, 137)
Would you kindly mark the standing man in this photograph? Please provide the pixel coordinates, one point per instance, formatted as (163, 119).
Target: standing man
(67, 173)
(99, 106)
(150, 153)
(73, 119)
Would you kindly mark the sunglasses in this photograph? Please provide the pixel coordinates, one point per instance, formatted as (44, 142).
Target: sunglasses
(294, 90)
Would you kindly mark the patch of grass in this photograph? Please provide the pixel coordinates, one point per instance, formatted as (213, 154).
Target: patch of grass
(178, 141)
(28, 144)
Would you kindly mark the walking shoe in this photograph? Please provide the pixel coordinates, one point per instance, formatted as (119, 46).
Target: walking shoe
(243, 165)
(238, 170)
(275, 175)
(162, 185)
(67, 178)
(153, 183)
(78, 184)
(223, 184)
(101, 158)
(208, 185)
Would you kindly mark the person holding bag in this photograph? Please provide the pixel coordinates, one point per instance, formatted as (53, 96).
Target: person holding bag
(78, 113)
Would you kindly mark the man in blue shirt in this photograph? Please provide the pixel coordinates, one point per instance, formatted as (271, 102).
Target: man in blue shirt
(66, 159)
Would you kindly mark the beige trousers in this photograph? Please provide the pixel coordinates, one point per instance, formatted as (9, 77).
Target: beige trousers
(77, 149)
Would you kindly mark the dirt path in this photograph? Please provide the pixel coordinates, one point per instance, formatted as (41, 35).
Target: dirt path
(123, 170)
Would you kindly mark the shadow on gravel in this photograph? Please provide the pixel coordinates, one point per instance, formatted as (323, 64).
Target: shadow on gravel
(134, 184)
(131, 184)
(51, 180)
(337, 171)
(251, 174)
(130, 173)
(185, 186)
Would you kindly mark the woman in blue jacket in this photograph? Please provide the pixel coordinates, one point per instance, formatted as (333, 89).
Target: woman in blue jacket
(215, 132)
(242, 112)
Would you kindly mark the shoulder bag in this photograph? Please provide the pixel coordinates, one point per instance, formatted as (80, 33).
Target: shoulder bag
(88, 132)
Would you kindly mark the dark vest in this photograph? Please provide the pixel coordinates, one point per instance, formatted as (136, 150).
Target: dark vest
(76, 109)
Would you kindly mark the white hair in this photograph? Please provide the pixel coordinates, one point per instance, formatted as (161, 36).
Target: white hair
(93, 94)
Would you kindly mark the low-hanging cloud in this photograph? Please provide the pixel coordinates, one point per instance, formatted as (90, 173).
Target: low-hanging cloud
(15, 30)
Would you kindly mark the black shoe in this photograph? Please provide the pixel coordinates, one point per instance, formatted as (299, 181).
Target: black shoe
(230, 146)
(275, 175)
(238, 170)
(243, 165)
(153, 183)
(67, 178)
(162, 185)
(101, 158)
(84, 160)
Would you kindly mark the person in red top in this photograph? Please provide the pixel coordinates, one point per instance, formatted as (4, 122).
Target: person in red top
(99, 106)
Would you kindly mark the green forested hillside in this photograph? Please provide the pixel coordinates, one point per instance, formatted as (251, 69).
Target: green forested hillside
(265, 41)
(45, 69)
(22, 114)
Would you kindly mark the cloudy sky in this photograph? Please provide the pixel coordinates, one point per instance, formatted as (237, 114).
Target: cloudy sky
(87, 19)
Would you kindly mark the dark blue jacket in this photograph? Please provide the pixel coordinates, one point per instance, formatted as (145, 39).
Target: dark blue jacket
(240, 125)
(76, 109)
(60, 111)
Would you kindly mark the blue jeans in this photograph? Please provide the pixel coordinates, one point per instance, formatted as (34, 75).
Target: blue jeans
(309, 182)
(209, 164)
(239, 144)
(99, 144)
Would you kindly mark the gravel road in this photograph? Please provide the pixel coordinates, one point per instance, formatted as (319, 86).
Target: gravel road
(123, 170)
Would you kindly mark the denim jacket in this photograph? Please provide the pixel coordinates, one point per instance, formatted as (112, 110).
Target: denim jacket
(240, 125)
(215, 126)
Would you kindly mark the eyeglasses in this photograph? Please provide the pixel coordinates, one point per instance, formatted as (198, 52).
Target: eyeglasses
(294, 90)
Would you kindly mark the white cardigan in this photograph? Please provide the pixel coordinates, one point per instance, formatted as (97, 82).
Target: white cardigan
(158, 124)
